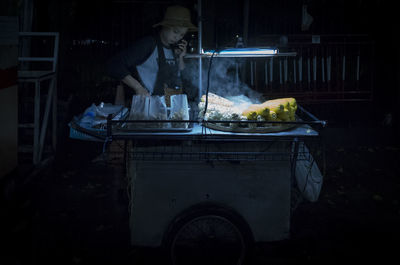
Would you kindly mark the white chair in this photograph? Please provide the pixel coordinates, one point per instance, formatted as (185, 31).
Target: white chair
(28, 73)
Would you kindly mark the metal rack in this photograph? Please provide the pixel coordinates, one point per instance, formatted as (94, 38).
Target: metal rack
(307, 125)
(211, 151)
(31, 73)
(200, 143)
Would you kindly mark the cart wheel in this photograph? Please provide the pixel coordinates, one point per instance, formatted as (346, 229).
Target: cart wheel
(209, 236)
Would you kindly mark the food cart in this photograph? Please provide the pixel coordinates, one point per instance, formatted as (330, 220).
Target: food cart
(205, 194)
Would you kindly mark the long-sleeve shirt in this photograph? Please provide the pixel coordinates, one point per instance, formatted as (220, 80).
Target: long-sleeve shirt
(141, 58)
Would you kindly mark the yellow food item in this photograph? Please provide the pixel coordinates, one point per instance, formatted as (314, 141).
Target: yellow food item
(272, 116)
(251, 112)
(289, 110)
(275, 106)
(263, 112)
(284, 115)
(292, 117)
(293, 103)
(281, 109)
(255, 110)
(284, 102)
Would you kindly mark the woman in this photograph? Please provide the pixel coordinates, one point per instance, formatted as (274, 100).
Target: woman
(154, 62)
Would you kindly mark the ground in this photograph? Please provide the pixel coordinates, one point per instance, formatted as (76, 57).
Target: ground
(75, 211)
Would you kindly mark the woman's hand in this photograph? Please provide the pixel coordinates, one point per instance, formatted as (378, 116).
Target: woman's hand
(182, 48)
(141, 91)
(181, 52)
(135, 85)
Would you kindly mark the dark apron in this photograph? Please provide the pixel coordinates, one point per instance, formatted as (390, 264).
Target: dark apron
(167, 73)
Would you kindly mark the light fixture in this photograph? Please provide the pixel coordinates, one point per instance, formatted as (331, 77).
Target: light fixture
(242, 52)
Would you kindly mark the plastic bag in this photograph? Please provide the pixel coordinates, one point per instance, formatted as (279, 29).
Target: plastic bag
(88, 116)
(105, 109)
(148, 108)
(179, 110)
(157, 111)
(308, 176)
(139, 110)
(96, 116)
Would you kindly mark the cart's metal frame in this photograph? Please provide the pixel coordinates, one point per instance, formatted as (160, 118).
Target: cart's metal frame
(182, 175)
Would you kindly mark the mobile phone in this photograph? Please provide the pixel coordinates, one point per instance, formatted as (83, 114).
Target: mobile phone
(176, 45)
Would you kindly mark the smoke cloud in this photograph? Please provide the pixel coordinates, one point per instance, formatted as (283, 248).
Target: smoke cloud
(224, 80)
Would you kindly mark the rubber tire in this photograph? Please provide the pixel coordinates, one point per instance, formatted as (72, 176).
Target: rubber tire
(207, 245)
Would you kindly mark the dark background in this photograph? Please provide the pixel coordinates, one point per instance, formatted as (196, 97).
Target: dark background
(75, 210)
(92, 31)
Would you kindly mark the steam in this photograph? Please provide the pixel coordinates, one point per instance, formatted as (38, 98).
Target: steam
(224, 80)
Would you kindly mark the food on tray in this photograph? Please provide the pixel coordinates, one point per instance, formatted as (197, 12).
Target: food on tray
(219, 112)
(177, 116)
(157, 117)
(275, 106)
(213, 98)
(289, 108)
(179, 111)
(282, 109)
(287, 102)
(147, 108)
(251, 111)
(256, 110)
(220, 108)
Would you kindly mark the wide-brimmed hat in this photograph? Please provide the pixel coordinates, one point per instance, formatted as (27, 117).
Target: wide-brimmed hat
(177, 16)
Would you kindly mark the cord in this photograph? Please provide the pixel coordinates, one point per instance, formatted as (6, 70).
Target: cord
(207, 89)
(208, 81)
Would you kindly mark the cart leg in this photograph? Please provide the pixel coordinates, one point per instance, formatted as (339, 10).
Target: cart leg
(295, 194)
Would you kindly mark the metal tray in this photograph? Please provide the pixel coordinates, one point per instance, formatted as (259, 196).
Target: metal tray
(271, 127)
(122, 129)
